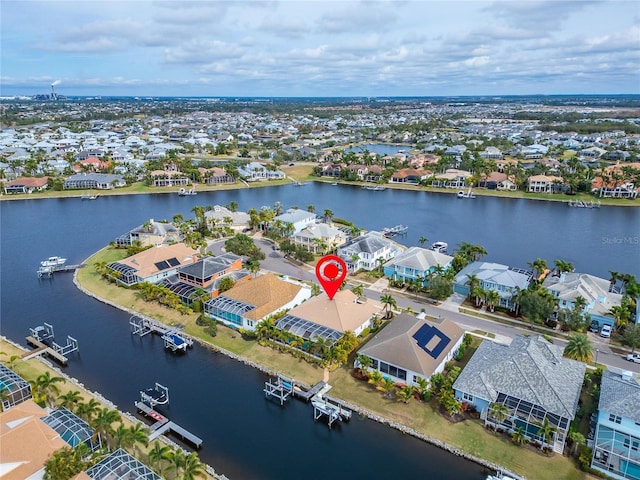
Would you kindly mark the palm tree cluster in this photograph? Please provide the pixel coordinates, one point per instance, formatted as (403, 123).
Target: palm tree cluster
(111, 434)
(151, 292)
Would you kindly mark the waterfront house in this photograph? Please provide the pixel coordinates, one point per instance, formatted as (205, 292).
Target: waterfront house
(319, 238)
(169, 178)
(154, 264)
(410, 348)
(150, 233)
(321, 317)
(491, 153)
(205, 275)
(245, 305)
(566, 287)
(546, 184)
(223, 216)
(409, 175)
(616, 443)
(451, 178)
(26, 185)
(505, 280)
(215, 176)
(532, 380)
(298, 219)
(256, 171)
(99, 181)
(368, 251)
(416, 263)
(26, 442)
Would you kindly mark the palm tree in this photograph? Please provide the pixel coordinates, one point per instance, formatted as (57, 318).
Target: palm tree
(389, 302)
(375, 378)
(546, 431)
(311, 208)
(178, 460)
(103, 424)
(328, 215)
(499, 412)
(358, 290)
(493, 298)
(406, 393)
(422, 240)
(387, 385)
(193, 467)
(88, 410)
(364, 362)
(315, 289)
(577, 439)
(563, 266)
(579, 347)
(539, 265)
(46, 388)
(158, 454)
(139, 434)
(70, 400)
(518, 436)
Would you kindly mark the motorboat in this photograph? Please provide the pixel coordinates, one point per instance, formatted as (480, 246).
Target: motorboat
(467, 194)
(499, 476)
(184, 193)
(440, 247)
(53, 262)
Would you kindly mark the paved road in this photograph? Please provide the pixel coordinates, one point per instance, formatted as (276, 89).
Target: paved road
(275, 262)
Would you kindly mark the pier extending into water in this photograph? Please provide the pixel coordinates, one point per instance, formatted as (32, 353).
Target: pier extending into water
(163, 425)
(44, 333)
(174, 340)
(332, 409)
(48, 271)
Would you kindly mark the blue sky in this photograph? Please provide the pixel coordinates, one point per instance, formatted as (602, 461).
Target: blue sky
(326, 48)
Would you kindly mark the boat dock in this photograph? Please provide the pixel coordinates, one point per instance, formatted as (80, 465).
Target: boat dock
(282, 388)
(44, 333)
(48, 271)
(393, 231)
(174, 340)
(163, 425)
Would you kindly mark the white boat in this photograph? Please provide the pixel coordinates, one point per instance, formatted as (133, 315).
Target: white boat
(375, 188)
(467, 194)
(184, 193)
(440, 247)
(53, 262)
(334, 183)
(393, 231)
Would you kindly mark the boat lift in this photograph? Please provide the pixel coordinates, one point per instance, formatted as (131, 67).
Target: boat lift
(42, 332)
(159, 395)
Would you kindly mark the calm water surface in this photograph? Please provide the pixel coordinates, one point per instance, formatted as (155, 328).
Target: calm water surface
(220, 400)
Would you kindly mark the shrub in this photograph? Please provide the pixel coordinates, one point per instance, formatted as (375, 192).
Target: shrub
(212, 329)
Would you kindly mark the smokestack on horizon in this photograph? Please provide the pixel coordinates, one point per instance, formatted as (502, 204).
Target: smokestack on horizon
(57, 82)
(53, 92)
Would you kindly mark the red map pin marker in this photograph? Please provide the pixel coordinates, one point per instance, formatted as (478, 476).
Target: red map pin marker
(330, 272)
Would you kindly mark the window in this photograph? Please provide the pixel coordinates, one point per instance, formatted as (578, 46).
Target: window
(615, 418)
(467, 397)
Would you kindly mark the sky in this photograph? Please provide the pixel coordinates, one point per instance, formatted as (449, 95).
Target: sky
(327, 48)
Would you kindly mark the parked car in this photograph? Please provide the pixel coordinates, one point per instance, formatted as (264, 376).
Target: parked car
(606, 331)
(633, 357)
(594, 326)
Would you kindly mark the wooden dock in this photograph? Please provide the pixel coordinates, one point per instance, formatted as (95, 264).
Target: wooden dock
(174, 339)
(163, 425)
(42, 348)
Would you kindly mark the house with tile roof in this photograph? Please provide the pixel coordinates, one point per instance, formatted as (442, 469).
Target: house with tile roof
(505, 280)
(330, 318)
(319, 238)
(546, 184)
(566, 287)
(411, 348)
(154, 264)
(26, 185)
(223, 216)
(616, 443)
(416, 263)
(531, 378)
(247, 304)
(367, 251)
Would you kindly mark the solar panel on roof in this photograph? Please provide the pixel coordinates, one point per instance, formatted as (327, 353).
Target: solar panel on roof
(424, 337)
(163, 265)
(173, 262)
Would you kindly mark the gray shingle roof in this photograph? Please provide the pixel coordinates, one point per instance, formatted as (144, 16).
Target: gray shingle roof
(620, 396)
(370, 242)
(530, 369)
(209, 266)
(420, 259)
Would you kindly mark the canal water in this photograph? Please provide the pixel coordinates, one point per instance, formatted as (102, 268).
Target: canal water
(221, 400)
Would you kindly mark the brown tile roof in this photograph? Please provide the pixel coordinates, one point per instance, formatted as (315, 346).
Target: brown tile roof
(26, 441)
(267, 293)
(29, 182)
(342, 313)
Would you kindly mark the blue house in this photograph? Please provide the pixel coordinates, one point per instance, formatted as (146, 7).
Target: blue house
(616, 444)
(567, 287)
(416, 263)
(493, 276)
